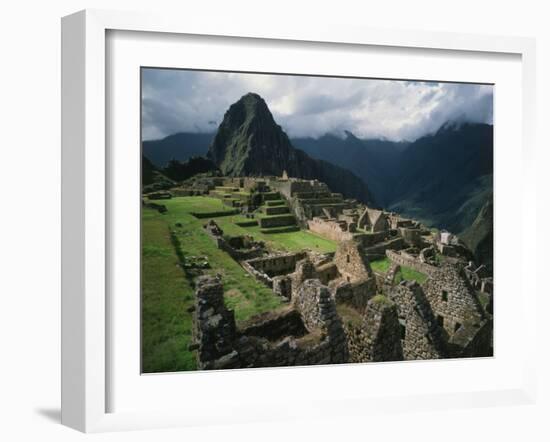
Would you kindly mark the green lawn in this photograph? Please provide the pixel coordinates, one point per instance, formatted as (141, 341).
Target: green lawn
(166, 294)
(179, 210)
(243, 293)
(408, 274)
(381, 265)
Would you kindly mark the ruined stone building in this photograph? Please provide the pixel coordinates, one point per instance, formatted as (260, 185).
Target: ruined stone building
(337, 309)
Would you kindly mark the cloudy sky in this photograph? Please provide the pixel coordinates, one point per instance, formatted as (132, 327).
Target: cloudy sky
(195, 101)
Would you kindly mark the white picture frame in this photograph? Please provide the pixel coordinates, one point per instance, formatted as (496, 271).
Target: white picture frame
(85, 202)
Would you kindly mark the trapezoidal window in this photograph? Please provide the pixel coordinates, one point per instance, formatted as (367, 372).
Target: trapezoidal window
(440, 320)
(347, 258)
(444, 295)
(457, 326)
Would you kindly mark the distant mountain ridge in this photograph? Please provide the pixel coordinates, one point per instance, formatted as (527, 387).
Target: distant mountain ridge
(442, 179)
(446, 177)
(250, 143)
(370, 159)
(180, 146)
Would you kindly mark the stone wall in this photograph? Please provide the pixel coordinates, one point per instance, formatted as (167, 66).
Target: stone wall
(370, 239)
(330, 229)
(351, 262)
(422, 335)
(254, 251)
(289, 337)
(161, 208)
(290, 187)
(277, 221)
(411, 236)
(355, 294)
(380, 249)
(454, 302)
(275, 210)
(318, 311)
(214, 327)
(376, 336)
(274, 265)
(238, 247)
(327, 272)
(275, 326)
(282, 286)
(415, 264)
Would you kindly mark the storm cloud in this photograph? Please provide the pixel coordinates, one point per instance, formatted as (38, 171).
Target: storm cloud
(195, 101)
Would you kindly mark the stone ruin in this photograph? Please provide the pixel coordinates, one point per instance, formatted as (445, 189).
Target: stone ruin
(307, 332)
(336, 308)
(238, 247)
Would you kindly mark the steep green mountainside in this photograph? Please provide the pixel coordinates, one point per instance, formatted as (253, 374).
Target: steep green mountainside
(445, 177)
(250, 143)
(479, 236)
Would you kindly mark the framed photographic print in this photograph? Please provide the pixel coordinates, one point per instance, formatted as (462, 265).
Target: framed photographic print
(281, 223)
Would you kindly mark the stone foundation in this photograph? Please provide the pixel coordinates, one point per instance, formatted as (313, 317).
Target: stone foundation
(309, 332)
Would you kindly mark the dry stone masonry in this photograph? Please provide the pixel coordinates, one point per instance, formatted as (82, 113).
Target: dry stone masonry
(336, 309)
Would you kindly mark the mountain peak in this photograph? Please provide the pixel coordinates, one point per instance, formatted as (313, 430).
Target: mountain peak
(251, 97)
(251, 103)
(250, 143)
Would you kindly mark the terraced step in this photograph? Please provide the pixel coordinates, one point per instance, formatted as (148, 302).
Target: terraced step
(285, 229)
(227, 189)
(307, 195)
(276, 203)
(332, 205)
(277, 221)
(275, 210)
(248, 223)
(321, 200)
(271, 196)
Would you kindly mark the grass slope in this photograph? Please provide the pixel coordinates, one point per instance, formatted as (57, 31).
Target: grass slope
(408, 274)
(167, 292)
(166, 295)
(381, 265)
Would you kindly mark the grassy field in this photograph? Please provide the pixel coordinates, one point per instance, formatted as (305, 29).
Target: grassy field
(408, 274)
(166, 294)
(381, 265)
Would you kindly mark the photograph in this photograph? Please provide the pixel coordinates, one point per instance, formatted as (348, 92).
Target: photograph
(302, 220)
